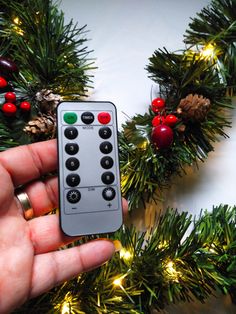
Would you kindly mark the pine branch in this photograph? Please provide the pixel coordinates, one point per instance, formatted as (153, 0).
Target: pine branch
(50, 53)
(5, 138)
(216, 24)
(178, 75)
(170, 264)
(51, 56)
(145, 169)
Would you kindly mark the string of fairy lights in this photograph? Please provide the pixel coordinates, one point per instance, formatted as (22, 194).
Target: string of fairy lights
(170, 267)
(171, 271)
(70, 306)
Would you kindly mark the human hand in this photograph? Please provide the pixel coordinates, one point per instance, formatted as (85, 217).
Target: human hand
(30, 263)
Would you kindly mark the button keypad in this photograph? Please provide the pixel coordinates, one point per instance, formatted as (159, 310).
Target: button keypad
(70, 117)
(73, 179)
(87, 117)
(108, 177)
(72, 148)
(71, 133)
(73, 196)
(89, 159)
(104, 117)
(106, 147)
(89, 178)
(109, 194)
(72, 163)
(105, 133)
(107, 162)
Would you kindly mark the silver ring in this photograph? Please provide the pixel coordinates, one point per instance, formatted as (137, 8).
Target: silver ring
(26, 205)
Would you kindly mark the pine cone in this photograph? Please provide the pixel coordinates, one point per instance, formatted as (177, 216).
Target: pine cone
(194, 107)
(42, 125)
(47, 100)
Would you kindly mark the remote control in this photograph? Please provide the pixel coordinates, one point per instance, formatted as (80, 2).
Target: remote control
(89, 176)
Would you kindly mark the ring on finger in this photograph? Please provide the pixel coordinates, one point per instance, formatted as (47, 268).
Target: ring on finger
(26, 205)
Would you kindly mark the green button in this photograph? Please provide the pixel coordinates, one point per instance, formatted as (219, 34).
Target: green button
(70, 117)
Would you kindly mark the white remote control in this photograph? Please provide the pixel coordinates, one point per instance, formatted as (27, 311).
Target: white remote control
(89, 176)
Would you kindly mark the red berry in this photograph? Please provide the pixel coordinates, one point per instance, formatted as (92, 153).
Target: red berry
(9, 109)
(171, 120)
(158, 104)
(3, 82)
(157, 120)
(10, 97)
(162, 136)
(25, 106)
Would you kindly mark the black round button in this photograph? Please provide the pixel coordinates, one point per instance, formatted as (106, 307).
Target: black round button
(72, 148)
(71, 133)
(73, 196)
(87, 117)
(73, 179)
(107, 162)
(72, 163)
(108, 194)
(105, 132)
(108, 177)
(106, 147)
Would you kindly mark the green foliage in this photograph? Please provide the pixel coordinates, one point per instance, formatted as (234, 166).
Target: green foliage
(5, 138)
(216, 24)
(181, 259)
(179, 74)
(14, 125)
(146, 169)
(50, 53)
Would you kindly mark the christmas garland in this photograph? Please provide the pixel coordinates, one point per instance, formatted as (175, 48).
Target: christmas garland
(215, 28)
(42, 61)
(191, 112)
(155, 269)
(180, 127)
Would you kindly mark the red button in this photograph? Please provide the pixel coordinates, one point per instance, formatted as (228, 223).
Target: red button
(104, 117)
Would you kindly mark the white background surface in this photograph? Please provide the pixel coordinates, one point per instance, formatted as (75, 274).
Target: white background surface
(124, 34)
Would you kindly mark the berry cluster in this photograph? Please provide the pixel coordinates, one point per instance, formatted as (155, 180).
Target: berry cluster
(8, 71)
(162, 133)
(9, 107)
(158, 107)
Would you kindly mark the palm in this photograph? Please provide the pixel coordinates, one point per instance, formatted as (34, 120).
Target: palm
(16, 260)
(30, 263)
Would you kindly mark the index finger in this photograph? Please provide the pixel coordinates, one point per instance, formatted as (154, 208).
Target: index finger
(29, 162)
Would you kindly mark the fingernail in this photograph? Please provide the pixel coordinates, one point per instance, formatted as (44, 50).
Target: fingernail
(117, 245)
